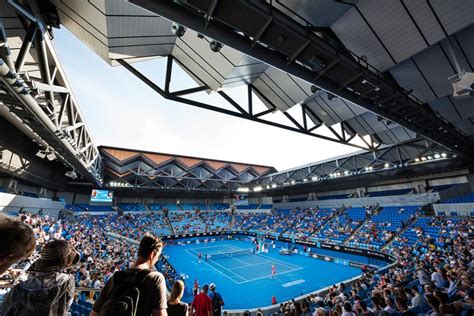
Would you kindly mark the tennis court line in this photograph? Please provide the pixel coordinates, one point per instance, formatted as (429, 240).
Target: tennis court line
(207, 247)
(219, 271)
(257, 264)
(231, 247)
(269, 276)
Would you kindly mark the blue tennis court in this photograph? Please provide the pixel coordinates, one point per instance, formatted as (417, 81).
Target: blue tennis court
(244, 279)
(240, 265)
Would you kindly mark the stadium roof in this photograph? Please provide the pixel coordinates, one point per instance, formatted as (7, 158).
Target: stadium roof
(152, 170)
(409, 44)
(366, 73)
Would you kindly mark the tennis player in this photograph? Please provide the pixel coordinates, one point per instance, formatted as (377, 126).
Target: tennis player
(199, 257)
(274, 271)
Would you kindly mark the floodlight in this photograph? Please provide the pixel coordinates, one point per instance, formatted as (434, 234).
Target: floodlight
(443, 155)
(215, 46)
(51, 156)
(423, 158)
(41, 154)
(274, 185)
(177, 29)
(331, 96)
(387, 165)
(257, 189)
(314, 89)
(437, 156)
(417, 159)
(71, 174)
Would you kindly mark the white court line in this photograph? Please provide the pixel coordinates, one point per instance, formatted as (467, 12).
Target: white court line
(201, 248)
(269, 276)
(219, 271)
(246, 263)
(290, 266)
(251, 265)
(283, 263)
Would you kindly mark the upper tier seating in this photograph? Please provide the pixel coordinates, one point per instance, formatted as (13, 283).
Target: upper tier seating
(390, 192)
(216, 220)
(84, 207)
(187, 222)
(439, 188)
(247, 207)
(333, 197)
(468, 198)
(132, 207)
(219, 206)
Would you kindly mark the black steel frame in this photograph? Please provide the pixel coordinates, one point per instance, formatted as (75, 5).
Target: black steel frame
(346, 136)
(267, 37)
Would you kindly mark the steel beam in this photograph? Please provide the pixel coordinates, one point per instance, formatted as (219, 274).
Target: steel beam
(230, 29)
(241, 112)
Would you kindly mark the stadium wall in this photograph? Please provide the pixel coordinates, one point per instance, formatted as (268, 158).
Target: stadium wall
(463, 209)
(11, 203)
(398, 200)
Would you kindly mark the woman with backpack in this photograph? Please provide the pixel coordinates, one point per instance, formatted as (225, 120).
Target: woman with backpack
(175, 306)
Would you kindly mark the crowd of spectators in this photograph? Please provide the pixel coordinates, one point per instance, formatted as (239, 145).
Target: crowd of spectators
(435, 254)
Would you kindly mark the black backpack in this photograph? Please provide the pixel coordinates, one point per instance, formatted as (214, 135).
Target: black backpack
(123, 298)
(216, 303)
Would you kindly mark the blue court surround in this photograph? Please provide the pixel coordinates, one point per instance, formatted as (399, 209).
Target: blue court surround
(245, 281)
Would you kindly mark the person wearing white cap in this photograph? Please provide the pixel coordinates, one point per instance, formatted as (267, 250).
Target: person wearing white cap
(216, 300)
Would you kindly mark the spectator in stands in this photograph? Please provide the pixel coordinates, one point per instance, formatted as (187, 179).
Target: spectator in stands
(348, 309)
(49, 291)
(216, 300)
(402, 307)
(445, 307)
(390, 302)
(201, 305)
(467, 303)
(175, 306)
(418, 299)
(434, 304)
(18, 242)
(142, 276)
(438, 278)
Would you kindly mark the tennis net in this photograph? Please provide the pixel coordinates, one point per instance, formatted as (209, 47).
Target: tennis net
(228, 254)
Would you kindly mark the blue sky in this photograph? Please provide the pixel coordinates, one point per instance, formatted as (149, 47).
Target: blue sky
(122, 111)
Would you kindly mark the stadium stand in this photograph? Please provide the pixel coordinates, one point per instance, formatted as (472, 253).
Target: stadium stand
(379, 229)
(468, 198)
(412, 232)
(247, 207)
(439, 188)
(390, 192)
(392, 223)
(333, 197)
(219, 206)
(132, 207)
